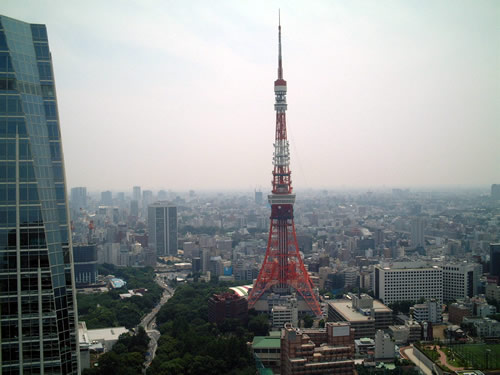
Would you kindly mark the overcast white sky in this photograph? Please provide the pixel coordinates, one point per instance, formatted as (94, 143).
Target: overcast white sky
(179, 94)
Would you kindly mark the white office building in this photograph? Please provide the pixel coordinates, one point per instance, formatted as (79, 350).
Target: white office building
(460, 280)
(408, 281)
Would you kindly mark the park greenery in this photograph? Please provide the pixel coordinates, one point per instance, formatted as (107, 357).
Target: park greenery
(106, 309)
(189, 344)
(126, 357)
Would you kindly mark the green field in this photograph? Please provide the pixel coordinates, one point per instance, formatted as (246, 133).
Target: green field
(479, 356)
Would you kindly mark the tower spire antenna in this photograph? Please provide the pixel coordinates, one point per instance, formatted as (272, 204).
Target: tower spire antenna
(280, 66)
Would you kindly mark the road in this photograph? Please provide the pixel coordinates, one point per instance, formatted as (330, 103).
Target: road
(149, 322)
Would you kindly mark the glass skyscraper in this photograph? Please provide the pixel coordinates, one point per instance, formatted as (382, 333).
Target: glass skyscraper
(37, 295)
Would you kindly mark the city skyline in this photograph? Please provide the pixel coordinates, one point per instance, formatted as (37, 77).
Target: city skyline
(394, 94)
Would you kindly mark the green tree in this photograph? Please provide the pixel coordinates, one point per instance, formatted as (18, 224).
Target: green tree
(308, 321)
(259, 325)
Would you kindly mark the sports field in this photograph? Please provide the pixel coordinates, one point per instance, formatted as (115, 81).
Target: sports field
(480, 356)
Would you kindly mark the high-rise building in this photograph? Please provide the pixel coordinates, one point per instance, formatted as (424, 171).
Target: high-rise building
(258, 197)
(136, 193)
(38, 312)
(107, 198)
(162, 195)
(85, 264)
(495, 261)
(134, 208)
(147, 199)
(78, 198)
(162, 221)
(417, 232)
(495, 191)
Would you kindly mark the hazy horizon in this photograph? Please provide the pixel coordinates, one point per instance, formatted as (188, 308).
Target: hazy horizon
(179, 95)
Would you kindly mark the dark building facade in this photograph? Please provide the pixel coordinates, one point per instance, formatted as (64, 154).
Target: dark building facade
(227, 306)
(37, 293)
(495, 261)
(85, 259)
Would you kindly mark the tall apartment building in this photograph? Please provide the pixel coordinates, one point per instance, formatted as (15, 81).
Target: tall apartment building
(408, 281)
(318, 351)
(162, 222)
(37, 293)
(460, 280)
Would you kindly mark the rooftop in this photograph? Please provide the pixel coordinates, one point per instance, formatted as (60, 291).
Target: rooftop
(106, 334)
(344, 307)
(267, 342)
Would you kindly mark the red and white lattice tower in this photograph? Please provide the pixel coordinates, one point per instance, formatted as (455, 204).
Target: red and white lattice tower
(283, 268)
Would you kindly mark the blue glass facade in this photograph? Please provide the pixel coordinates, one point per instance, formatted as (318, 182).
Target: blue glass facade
(37, 294)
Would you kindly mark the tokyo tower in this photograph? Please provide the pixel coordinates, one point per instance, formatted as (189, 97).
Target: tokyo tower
(283, 268)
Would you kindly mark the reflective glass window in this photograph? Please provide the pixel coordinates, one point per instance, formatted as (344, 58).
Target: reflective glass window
(8, 216)
(53, 131)
(24, 150)
(45, 71)
(7, 194)
(7, 149)
(50, 110)
(48, 91)
(42, 51)
(8, 172)
(55, 151)
(26, 171)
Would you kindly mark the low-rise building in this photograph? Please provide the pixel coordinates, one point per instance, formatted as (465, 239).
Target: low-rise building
(227, 306)
(318, 351)
(429, 311)
(341, 310)
(284, 314)
(267, 350)
(384, 346)
(399, 334)
(363, 312)
(493, 291)
(364, 346)
(483, 327)
(457, 312)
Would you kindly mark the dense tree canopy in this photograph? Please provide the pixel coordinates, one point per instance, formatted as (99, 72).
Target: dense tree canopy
(126, 357)
(189, 344)
(108, 310)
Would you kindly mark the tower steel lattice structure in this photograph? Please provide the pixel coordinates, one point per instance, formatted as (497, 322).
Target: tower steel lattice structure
(283, 268)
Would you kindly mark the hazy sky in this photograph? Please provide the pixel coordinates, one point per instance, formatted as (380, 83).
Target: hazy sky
(179, 94)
